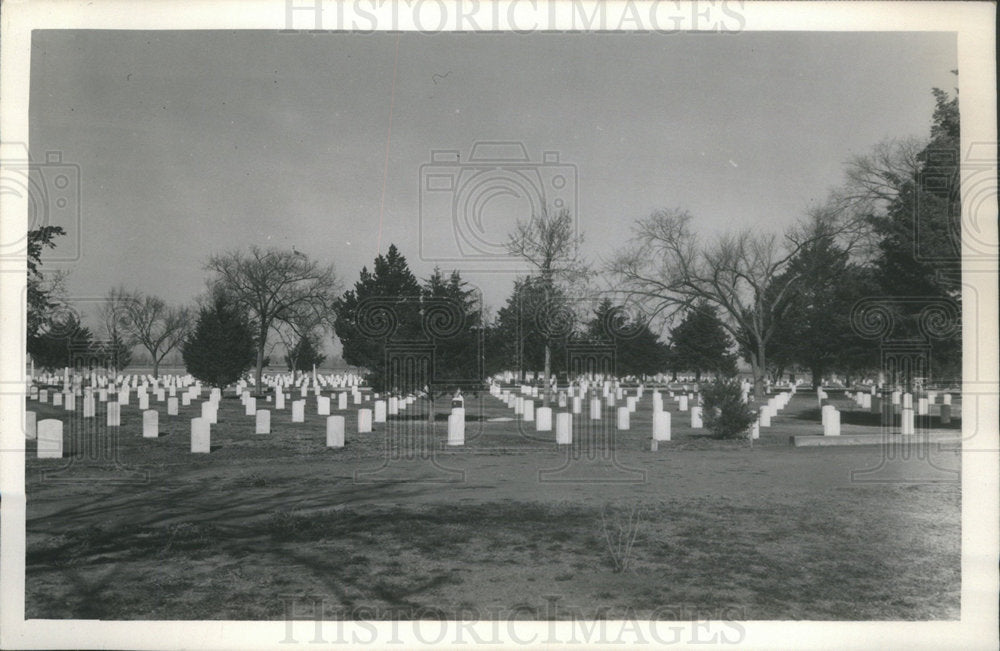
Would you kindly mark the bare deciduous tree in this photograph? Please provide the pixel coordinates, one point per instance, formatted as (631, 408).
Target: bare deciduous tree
(550, 242)
(276, 287)
(145, 320)
(666, 268)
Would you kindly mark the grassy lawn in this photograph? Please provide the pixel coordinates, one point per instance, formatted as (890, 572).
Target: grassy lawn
(397, 525)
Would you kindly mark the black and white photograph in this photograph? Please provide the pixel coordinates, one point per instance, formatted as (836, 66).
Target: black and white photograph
(373, 324)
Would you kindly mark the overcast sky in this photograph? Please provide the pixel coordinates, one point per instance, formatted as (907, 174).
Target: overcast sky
(189, 143)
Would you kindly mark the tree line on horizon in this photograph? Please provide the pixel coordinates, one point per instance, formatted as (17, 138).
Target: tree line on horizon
(782, 303)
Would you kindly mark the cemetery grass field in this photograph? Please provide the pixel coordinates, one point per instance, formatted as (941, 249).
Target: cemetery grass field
(725, 531)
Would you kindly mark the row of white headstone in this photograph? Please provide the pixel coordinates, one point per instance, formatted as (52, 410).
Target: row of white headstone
(524, 406)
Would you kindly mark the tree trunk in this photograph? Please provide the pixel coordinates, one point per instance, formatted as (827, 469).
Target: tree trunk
(545, 375)
(817, 376)
(156, 367)
(260, 367)
(759, 366)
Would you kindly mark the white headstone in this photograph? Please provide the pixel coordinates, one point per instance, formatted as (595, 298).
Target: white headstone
(683, 403)
(564, 428)
(263, 421)
(335, 430)
(380, 411)
(201, 435)
(595, 409)
(543, 419)
(250, 406)
(323, 405)
(364, 421)
(661, 425)
(185, 401)
(922, 407)
(114, 418)
(50, 438)
(210, 412)
(89, 407)
(696, 422)
(30, 425)
(143, 401)
(831, 426)
(456, 426)
(393, 406)
(529, 410)
(623, 418)
(150, 424)
(907, 422)
(299, 411)
(342, 401)
(57, 399)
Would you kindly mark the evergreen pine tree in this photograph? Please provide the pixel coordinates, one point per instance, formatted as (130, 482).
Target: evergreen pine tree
(222, 347)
